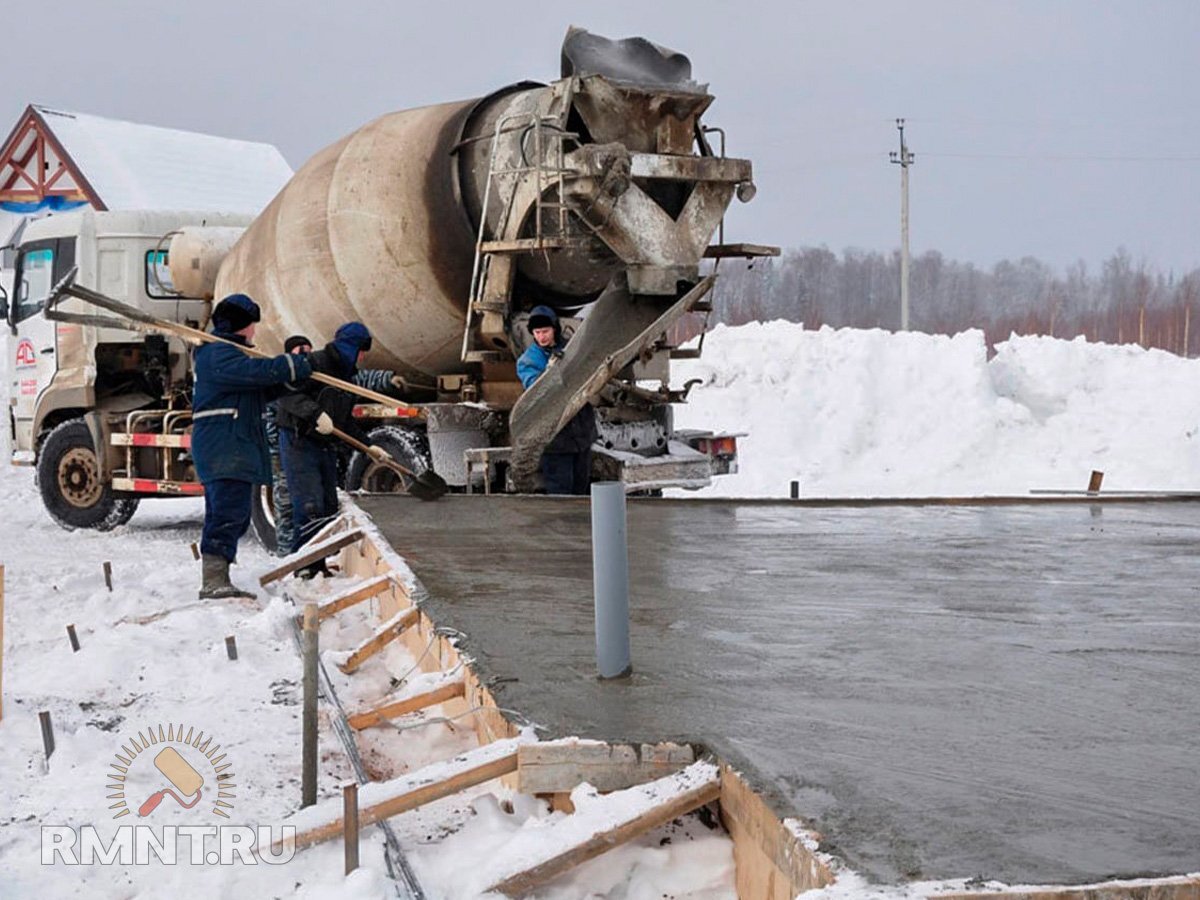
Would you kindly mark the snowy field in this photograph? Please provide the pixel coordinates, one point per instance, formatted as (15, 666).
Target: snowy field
(852, 413)
(152, 654)
(846, 412)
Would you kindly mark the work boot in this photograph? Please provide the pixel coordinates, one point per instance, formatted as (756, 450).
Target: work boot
(214, 579)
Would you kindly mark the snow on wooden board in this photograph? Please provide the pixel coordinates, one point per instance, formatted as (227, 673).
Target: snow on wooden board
(381, 800)
(364, 590)
(559, 766)
(600, 822)
(383, 635)
(418, 692)
(311, 553)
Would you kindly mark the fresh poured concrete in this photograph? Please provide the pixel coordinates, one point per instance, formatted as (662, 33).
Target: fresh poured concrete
(941, 691)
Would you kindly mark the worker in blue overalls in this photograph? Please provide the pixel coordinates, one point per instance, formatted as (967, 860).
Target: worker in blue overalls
(307, 417)
(229, 443)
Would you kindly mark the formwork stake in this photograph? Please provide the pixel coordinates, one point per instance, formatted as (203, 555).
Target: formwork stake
(1095, 481)
(350, 824)
(308, 757)
(47, 735)
(108, 574)
(795, 490)
(74, 638)
(231, 647)
(195, 551)
(610, 579)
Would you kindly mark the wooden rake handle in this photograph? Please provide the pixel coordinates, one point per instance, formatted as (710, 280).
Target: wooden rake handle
(67, 287)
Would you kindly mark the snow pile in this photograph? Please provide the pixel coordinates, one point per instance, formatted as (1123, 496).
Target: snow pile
(871, 413)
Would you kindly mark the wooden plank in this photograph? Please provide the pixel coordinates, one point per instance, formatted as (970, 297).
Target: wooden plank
(311, 554)
(331, 528)
(347, 598)
(552, 767)
(682, 795)
(350, 831)
(416, 789)
(387, 633)
(771, 860)
(440, 655)
(368, 717)
(311, 654)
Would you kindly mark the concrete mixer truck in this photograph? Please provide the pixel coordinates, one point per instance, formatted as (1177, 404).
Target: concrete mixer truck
(440, 228)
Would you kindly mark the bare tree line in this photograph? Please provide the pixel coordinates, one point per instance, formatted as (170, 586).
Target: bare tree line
(1124, 301)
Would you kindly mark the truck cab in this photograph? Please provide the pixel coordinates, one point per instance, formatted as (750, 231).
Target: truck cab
(70, 382)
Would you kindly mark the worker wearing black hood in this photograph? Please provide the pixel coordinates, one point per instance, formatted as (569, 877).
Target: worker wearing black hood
(306, 417)
(566, 464)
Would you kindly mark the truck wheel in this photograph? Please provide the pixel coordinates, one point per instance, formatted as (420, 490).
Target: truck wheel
(69, 479)
(262, 518)
(407, 446)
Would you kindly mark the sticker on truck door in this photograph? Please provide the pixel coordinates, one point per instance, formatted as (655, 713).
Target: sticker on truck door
(26, 357)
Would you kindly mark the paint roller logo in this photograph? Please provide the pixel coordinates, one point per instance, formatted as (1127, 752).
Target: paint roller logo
(186, 779)
(132, 779)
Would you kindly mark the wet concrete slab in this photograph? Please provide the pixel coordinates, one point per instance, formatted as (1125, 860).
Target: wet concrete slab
(943, 692)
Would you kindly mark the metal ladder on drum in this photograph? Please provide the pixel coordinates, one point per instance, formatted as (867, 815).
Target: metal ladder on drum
(494, 264)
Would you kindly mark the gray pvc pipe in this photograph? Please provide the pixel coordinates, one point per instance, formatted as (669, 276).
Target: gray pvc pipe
(610, 579)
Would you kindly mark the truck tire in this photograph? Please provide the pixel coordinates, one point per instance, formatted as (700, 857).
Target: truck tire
(406, 445)
(262, 518)
(68, 475)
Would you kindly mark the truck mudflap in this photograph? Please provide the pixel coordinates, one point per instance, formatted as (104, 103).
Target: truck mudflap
(619, 327)
(679, 467)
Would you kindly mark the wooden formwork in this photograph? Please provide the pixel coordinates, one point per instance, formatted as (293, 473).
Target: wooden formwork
(775, 858)
(772, 861)
(434, 652)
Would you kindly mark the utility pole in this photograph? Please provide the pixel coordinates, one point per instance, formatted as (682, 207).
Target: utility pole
(904, 159)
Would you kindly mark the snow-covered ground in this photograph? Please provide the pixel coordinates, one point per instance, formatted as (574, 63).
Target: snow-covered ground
(152, 654)
(871, 413)
(845, 412)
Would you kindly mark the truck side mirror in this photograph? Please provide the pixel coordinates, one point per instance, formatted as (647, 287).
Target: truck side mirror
(4, 309)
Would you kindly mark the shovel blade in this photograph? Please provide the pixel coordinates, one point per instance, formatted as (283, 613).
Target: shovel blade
(428, 486)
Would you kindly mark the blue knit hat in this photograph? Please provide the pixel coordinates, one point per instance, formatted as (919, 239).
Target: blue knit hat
(350, 340)
(355, 333)
(234, 313)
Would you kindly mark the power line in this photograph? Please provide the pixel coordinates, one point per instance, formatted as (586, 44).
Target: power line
(1049, 157)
